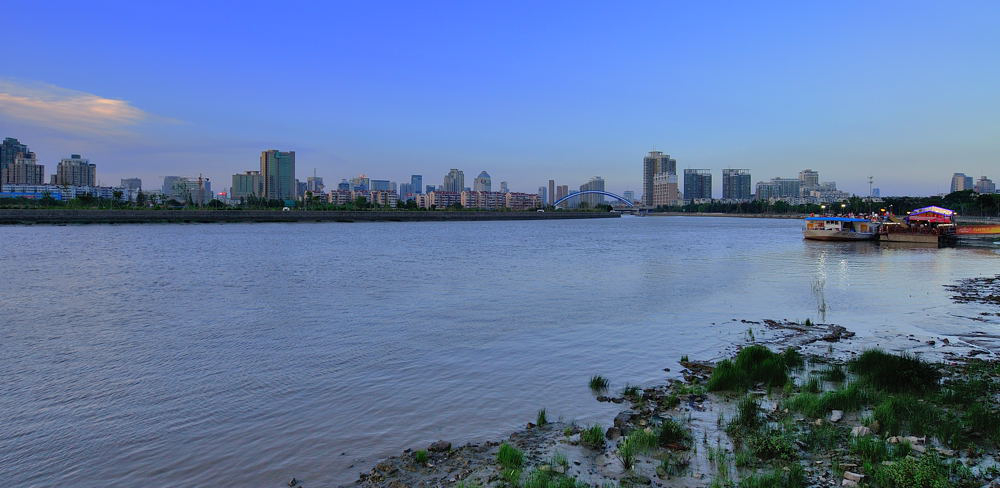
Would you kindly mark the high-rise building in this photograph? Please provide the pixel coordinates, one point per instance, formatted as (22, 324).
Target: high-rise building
(24, 170)
(76, 171)
(482, 182)
(808, 178)
(653, 164)
(197, 191)
(697, 184)
(10, 150)
(405, 189)
(960, 182)
(665, 191)
(779, 188)
(277, 168)
(132, 183)
(985, 185)
(630, 196)
(561, 192)
(552, 192)
(315, 184)
(503, 187)
(454, 181)
(428, 189)
(380, 185)
(593, 199)
(245, 185)
(736, 184)
(417, 182)
(542, 193)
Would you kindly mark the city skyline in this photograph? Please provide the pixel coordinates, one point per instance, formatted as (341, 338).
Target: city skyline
(782, 91)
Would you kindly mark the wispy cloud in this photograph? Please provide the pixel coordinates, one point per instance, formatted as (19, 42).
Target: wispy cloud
(69, 110)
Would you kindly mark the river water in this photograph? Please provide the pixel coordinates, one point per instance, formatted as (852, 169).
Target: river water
(245, 354)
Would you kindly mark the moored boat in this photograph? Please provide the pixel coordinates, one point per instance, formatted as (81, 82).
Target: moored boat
(928, 225)
(839, 229)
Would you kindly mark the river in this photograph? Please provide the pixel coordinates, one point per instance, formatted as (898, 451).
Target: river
(245, 354)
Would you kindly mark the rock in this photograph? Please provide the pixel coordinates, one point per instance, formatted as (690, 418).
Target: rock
(559, 469)
(439, 446)
(918, 448)
(847, 482)
(860, 431)
(915, 440)
(293, 482)
(397, 484)
(875, 426)
(946, 452)
(603, 398)
(853, 476)
(893, 440)
(836, 415)
(818, 422)
(612, 433)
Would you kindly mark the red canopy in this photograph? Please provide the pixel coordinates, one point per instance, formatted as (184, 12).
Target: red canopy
(937, 215)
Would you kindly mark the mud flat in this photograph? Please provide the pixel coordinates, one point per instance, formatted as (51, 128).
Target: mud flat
(795, 406)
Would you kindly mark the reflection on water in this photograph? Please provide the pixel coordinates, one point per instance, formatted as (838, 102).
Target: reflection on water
(236, 355)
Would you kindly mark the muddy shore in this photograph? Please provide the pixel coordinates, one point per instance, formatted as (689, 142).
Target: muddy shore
(792, 439)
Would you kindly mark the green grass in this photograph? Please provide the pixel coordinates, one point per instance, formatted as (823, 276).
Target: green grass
(870, 449)
(541, 419)
(509, 457)
(795, 477)
(637, 442)
(632, 392)
(670, 401)
(748, 417)
(826, 436)
(895, 373)
(811, 386)
(833, 373)
(420, 456)
(467, 484)
(684, 358)
(849, 399)
(768, 444)
(672, 433)
(559, 459)
(927, 471)
(752, 365)
(549, 479)
(593, 437)
(598, 383)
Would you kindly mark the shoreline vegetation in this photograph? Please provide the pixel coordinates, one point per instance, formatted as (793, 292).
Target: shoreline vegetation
(783, 411)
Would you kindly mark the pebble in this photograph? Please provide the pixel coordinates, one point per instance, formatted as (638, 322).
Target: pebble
(859, 431)
(836, 415)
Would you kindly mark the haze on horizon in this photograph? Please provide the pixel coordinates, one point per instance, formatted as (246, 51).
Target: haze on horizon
(902, 91)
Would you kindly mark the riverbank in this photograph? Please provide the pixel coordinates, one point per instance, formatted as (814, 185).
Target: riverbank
(61, 216)
(788, 410)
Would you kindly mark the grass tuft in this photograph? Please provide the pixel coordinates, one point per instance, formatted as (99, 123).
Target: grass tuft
(895, 373)
(541, 419)
(420, 456)
(834, 373)
(753, 364)
(509, 457)
(593, 437)
(598, 383)
(794, 477)
(672, 433)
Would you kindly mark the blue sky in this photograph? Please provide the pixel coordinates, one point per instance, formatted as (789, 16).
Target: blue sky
(906, 92)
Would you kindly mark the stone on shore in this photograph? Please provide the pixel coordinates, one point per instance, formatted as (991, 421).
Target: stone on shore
(439, 446)
(836, 415)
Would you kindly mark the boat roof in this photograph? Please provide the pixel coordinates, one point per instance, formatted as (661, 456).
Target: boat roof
(838, 219)
(933, 209)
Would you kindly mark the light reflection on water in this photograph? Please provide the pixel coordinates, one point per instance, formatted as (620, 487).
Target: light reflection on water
(246, 354)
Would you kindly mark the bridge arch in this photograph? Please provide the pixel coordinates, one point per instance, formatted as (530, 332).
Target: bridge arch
(601, 192)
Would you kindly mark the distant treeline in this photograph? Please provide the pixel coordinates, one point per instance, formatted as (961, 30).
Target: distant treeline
(964, 202)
